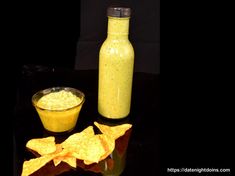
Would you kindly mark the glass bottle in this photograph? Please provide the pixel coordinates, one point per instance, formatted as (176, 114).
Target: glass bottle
(116, 64)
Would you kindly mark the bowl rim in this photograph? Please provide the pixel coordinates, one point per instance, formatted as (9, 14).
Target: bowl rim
(55, 89)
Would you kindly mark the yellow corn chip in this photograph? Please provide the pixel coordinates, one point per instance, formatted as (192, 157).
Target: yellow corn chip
(113, 131)
(108, 145)
(94, 149)
(72, 161)
(42, 145)
(65, 156)
(33, 165)
(73, 141)
(90, 150)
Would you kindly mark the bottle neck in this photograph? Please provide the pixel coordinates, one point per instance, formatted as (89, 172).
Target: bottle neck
(118, 27)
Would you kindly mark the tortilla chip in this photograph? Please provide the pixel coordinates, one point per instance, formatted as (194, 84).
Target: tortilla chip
(42, 146)
(34, 164)
(72, 161)
(73, 142)
(65, 156)
(113, 131)
(90, 150)
(108, 145)
(85, 146)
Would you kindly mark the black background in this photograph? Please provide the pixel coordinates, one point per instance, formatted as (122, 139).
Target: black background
(70, 34)
(196, 88)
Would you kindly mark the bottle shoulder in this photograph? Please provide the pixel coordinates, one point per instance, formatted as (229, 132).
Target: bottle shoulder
(117, 49)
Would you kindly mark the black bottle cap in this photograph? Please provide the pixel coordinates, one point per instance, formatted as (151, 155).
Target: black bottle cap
(120, 12)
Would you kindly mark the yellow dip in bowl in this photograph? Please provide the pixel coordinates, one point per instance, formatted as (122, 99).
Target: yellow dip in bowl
(58, 108)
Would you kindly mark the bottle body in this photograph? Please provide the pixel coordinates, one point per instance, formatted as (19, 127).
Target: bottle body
(116, 64)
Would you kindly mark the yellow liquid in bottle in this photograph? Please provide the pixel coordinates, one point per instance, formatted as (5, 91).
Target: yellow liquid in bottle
(116, 64)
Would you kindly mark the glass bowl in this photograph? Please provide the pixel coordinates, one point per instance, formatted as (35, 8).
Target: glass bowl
(55, 110)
